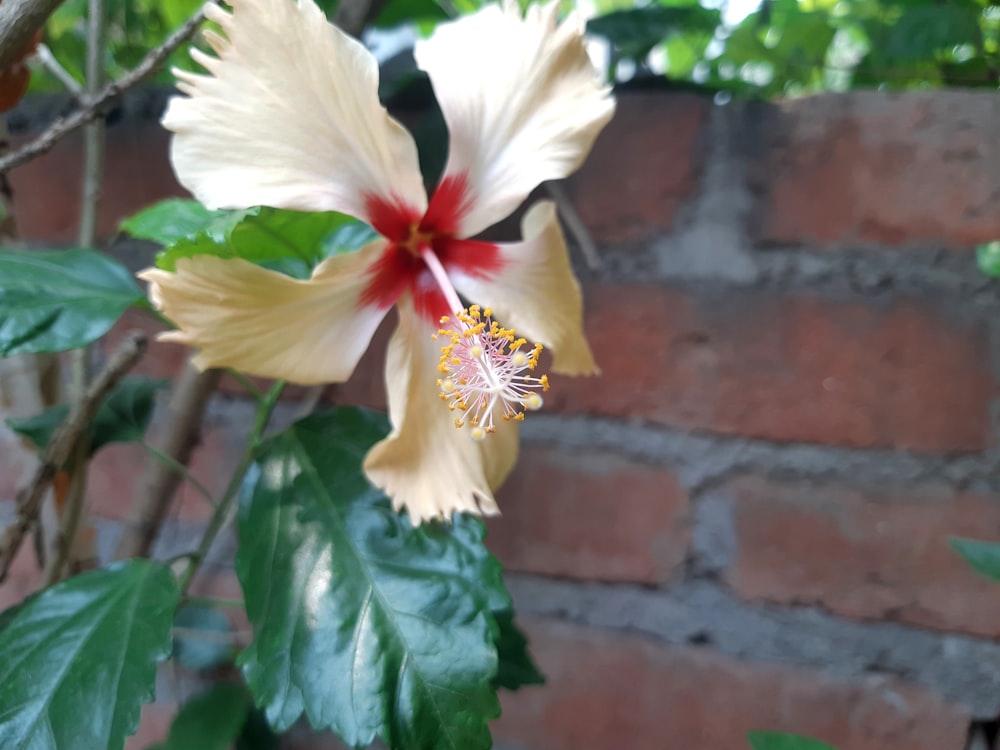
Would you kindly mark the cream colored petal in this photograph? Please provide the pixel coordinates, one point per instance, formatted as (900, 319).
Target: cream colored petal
(522, 101)
(264, 323)
(427, 465)
(535, 292)
(288, 117)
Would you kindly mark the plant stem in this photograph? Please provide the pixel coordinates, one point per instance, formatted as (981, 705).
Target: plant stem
(221, 515)
(175, 465)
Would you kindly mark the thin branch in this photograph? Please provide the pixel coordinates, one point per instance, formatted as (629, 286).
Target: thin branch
(48, 61)
(97, 106)
(63, 444)
(575, 224)
(19, 20)
(181, 469)
(150, 508)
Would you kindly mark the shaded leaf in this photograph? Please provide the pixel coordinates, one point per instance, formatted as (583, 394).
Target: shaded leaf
(988, 258)
(761, 740)
(59, 300)
(636, 31)
(984, 557)
(517, 668)
(86, 647)
(337, 583)
(212, 720)
(122, 418)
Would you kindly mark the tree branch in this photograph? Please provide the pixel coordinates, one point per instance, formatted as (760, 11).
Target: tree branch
(98, 105)
(63, 444)
(19, 20)
(192, 392)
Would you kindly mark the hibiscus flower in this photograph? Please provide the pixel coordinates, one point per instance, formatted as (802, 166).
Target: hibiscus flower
(288, 116)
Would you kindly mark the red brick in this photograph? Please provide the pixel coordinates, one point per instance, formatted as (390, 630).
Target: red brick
(644, 166)
(153, 726)
(906, 373)
(47, 189)
(609, 690)
(865, 167)
(24, 576)
(592, 516)
(876, 554)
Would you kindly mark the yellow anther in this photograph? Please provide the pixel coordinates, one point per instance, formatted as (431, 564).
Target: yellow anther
(488, 312)
(533, 402)
(448, 386)
(444, 319)
(544, 380)
(475, 351)
(520, 359)
(478, 434)
(459, 424)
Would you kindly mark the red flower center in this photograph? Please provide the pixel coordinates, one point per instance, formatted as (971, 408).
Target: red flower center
(400, 269)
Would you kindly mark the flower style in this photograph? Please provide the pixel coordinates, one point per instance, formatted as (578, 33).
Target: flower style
(288, 116)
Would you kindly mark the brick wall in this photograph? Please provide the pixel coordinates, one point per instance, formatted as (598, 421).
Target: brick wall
(744, 522)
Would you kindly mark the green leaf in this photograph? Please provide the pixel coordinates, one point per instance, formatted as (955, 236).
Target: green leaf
(398, 12)
(122, 418)
(78, 661)
(636, 31)
(175, 219)
(337, 583)
(781, 741)
(924, 30)
(212, 720)
(988, 257)
(984, 557)
(126, 412)
(292, 242)
(202, 642)
(517, 668)
(54, 301)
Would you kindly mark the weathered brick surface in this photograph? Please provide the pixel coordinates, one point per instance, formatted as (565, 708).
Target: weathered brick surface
(877, 553)
(609, 690)
(654, 147)
(589, 515)
(47, 190)
(787, 367)
(871, 168)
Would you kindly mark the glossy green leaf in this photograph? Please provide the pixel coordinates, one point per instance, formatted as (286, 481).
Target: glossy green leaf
(212, 720)
(338, 584)
(988, 258)
(175, 219)
(517, 668)
(78, 661)
(54, 301)
(782, 741)
(984, 557)
(292, 242)
(122, 418)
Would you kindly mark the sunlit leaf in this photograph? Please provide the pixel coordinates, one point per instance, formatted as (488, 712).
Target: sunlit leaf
(781, 741)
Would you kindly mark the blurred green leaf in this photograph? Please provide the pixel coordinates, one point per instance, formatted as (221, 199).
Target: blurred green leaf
(122, 418)
(398, 12)
(58, 300)
(984, 557)
(78, 661)
(517, 668)
(292, 242)
(212, 720)
(337, 583)
(634, 32)
(988, 258)
(781, 741)
(201, 638)
(924, 30)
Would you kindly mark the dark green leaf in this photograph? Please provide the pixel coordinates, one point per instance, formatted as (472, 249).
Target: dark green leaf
(198, 643)
(636, 31)
(984, 557)
(39, 429)
(988, 257)
(257, 734)
(54, 301)
(336, 583)
(122, 418)
(212, 720)
(398, 12)
(781, 741)
(78, 661)
(126, 412)
(292, 242)
(924, 30)
(517, 668)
